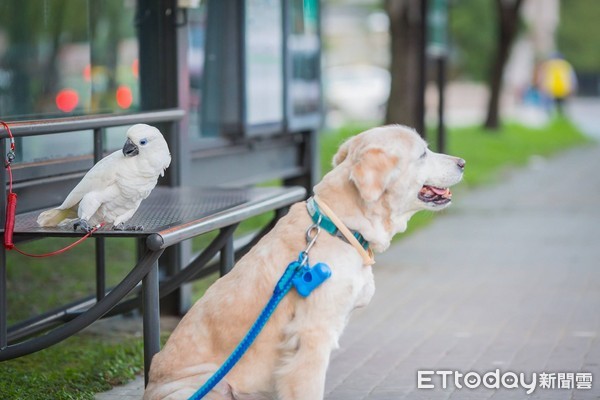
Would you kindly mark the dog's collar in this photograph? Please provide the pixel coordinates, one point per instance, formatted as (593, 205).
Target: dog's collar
(322, 215)
(327, 224)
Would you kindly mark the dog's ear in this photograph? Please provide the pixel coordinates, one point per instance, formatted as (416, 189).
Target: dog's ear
(372, 171)
(341, 154)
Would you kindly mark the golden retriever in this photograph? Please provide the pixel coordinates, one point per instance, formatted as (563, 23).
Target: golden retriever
(380, 178)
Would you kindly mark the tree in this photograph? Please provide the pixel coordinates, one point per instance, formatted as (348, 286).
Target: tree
(578, 32)
(405, 104)
(508, 24)
(472, 41)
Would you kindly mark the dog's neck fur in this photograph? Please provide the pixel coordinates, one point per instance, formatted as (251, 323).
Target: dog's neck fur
(377, 225)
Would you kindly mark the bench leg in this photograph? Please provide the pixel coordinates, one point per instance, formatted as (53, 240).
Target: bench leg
(3, 297)
(227, 256)
(151, 315)
(100, 269)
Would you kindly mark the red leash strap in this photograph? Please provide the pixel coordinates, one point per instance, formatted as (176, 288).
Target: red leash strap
(11, 200)
(60, 251)
(11, 208)
(9, 225)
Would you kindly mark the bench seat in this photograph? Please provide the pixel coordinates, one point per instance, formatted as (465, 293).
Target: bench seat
(173, 214)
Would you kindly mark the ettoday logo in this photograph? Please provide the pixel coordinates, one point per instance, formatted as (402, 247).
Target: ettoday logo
(508, 380)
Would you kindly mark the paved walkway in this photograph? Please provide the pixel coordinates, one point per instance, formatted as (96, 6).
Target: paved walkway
(584, 111)
(509, 279)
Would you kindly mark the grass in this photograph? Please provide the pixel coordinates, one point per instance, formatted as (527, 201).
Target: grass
(86, 364)
(77, 368)
(514, 145)
(71, 276)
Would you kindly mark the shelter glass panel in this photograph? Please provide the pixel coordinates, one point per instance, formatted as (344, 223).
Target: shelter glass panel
(196, 32)
(263, 61)
(61, 58)
(304, 46)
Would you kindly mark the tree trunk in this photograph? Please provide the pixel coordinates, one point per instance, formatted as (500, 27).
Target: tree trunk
(406, 102)
(508, 23)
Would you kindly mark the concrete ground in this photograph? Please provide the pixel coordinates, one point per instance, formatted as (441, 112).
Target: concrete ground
(584, 111)
(508, 280)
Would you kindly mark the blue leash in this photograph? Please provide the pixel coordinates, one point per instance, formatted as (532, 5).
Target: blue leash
(297, 274)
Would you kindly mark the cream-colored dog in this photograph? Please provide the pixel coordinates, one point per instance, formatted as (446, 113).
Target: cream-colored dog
(380, 178)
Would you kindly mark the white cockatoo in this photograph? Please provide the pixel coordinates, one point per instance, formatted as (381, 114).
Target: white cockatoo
(113, 189)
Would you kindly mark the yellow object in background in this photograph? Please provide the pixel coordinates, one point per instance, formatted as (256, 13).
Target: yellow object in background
(558, 78)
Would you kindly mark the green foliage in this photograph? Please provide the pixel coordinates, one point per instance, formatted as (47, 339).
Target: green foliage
(70, 275)
(486, 152)
(472, 35)
(578, 33)
(329, 142)
(74, 369)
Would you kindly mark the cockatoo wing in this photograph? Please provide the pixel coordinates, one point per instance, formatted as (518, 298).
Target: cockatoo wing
(98, 178)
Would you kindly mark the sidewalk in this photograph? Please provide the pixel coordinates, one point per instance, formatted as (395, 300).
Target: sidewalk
(509, 279)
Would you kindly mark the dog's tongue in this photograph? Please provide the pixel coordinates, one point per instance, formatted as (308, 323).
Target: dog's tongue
(439, 191)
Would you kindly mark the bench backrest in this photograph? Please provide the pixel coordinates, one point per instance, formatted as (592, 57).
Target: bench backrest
(42, 181)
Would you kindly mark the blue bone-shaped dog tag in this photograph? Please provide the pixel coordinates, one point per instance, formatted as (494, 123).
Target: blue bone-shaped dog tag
(311, 278)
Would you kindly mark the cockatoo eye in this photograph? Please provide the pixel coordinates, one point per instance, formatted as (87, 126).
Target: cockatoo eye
(143, 142)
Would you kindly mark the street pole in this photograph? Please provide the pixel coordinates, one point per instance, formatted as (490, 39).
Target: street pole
(437, 48)
(441, 84)
(422, 70)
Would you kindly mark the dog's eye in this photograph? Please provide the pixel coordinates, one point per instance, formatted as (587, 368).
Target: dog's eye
(424, 154)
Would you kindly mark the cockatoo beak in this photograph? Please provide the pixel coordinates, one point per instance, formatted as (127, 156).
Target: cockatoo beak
(130, 149)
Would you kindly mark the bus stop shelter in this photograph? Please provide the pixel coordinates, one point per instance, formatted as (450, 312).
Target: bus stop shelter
(234, 86)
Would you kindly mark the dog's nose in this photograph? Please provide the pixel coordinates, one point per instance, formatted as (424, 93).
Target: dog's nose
(461, 163)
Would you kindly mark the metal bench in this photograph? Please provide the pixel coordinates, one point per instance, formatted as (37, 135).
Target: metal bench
(169, 216)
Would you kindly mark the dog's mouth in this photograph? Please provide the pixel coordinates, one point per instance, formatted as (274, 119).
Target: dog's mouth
(434, 195)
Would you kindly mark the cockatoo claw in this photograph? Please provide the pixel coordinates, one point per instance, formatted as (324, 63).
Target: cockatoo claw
(82, 225)
(122, 227)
